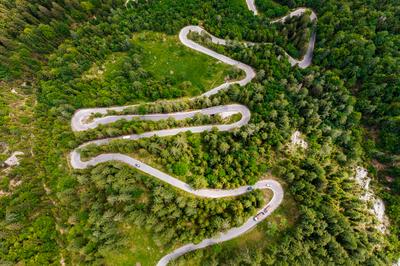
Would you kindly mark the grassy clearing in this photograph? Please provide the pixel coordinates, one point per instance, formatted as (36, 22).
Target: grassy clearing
(140, 248)
(166, 58)
(110, 68)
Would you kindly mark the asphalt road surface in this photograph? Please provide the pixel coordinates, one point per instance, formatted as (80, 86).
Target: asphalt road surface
(83, 120)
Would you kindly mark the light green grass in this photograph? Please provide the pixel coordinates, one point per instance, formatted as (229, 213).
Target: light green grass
(139, 248)
(165, 57)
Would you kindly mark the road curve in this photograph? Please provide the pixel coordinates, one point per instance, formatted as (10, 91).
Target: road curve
(237, 231)
(252, 6)
(77, 163)
(80, 122)
(307, 58)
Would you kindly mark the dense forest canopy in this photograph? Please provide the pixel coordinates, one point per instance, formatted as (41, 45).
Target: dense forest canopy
(68, 54)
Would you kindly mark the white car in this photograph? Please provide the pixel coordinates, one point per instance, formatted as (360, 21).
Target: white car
(258, 216)
(126, 137)
(137, 165)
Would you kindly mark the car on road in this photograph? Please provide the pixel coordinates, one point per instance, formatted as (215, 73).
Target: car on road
(249, 188)
(258, 216)
(137, 165)
(126, 137)
(268, 185)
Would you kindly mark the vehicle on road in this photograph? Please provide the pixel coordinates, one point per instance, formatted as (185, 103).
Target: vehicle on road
(249, 188)
(258, 216)
(126, 137)
(137, 165)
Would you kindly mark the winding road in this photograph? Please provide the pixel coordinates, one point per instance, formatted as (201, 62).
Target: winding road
(80, 122)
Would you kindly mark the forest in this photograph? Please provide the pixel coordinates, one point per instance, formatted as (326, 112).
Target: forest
(62, 55)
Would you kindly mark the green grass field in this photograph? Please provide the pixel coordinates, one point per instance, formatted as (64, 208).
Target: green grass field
(166, 58)
(140, 248)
